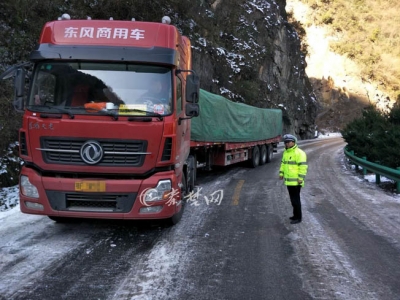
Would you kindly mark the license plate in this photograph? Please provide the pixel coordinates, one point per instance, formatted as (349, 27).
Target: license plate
(90, 186)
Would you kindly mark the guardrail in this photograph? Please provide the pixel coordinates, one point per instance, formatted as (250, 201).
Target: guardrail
(377, 169)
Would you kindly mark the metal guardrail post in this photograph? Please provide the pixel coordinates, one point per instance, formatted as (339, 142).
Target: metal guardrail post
(364, 168)
(398, 184)
(377, 178)
(352, 153)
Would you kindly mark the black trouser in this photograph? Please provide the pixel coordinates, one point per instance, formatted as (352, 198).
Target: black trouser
(294, 193)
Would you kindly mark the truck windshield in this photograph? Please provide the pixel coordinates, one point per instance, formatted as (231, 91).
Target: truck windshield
(87, 88)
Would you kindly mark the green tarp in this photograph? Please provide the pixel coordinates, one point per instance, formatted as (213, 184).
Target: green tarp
(222, 120)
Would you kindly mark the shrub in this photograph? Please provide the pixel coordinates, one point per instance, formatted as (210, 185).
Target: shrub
(376, 136)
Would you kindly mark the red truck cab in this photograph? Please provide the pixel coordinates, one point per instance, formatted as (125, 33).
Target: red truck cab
(106, 124)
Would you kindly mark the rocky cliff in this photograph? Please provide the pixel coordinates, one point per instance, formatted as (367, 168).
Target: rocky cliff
(247, 51)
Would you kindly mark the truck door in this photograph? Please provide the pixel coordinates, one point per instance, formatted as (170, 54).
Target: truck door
(183, 126)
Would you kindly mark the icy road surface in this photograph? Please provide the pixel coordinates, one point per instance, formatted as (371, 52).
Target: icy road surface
(241, 247)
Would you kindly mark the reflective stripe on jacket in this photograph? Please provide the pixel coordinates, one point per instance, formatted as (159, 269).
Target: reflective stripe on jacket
(294, 166)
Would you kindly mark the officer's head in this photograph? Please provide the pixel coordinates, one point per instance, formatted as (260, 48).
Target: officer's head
(289, 140)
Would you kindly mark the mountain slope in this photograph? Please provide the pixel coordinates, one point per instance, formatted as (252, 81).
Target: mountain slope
(338, 81)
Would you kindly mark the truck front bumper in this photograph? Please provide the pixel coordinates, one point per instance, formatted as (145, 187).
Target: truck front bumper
(92, 198)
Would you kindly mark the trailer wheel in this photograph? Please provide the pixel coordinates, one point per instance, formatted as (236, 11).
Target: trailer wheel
(178, 216)
(263, 155)
(255, 157)
(270, 153)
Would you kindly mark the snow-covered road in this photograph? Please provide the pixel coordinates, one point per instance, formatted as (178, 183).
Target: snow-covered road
(347, 247)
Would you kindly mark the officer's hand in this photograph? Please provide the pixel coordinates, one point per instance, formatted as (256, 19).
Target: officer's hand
(300, 181)
(280, 177)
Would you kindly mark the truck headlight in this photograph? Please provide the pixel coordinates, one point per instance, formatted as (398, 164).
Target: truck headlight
(27, 188)
(161, 192)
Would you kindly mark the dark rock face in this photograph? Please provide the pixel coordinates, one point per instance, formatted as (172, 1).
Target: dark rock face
(246, 51)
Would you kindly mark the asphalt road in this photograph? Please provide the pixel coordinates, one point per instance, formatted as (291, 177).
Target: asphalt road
(234, 242)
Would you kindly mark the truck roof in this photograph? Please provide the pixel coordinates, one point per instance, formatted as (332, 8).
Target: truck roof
(110, 33)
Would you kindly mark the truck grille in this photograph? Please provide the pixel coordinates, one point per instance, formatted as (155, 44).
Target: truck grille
(22, 144)
(116, 152)
(166, 155)
(91, 202)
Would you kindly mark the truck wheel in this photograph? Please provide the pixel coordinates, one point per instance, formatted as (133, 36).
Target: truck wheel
(192, 173)
(270, 153)
(194, 180)
(263, 156)
(178, 216)
(255, 157)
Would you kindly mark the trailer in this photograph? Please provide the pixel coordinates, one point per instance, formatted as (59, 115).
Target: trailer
(226, 132)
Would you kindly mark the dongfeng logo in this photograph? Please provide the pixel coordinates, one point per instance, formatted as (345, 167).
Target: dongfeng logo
(91, 152)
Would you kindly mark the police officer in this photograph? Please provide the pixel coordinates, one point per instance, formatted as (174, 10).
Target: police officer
(293, 171)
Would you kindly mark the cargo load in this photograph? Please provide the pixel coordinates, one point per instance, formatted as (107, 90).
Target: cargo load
(222, 120)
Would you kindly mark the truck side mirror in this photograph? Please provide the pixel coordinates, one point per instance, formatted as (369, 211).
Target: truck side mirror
(18, 105)
(192, 109)
(19, 87)
(18, 73)
(192, 88)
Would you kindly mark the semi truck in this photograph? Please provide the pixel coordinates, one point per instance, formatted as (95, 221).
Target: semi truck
(113, 127)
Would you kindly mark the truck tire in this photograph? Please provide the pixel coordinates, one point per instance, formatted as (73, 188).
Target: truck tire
(255, 157)
(263, 155)
(194, 179)
(191, 173)
(270, 153)
(178, 216)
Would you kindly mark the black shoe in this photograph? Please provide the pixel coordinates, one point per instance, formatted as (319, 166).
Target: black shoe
(295, 221)
(292, 218)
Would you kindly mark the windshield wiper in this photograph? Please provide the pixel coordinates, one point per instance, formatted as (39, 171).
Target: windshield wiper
(59, 109)
(105, 112)
(148, 114)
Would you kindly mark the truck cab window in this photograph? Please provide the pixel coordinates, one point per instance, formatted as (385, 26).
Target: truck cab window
(130, 89)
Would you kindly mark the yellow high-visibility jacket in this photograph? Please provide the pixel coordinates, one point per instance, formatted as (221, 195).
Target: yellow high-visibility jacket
(294, 166)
